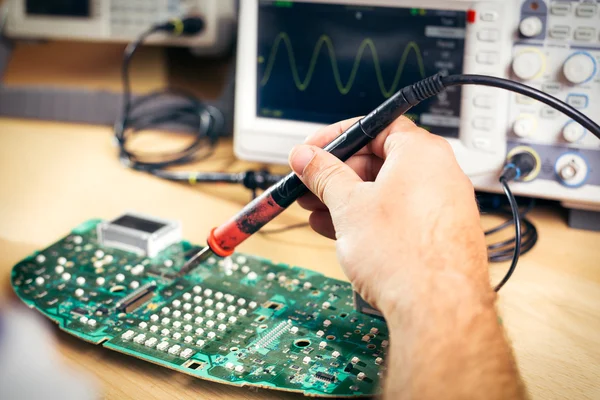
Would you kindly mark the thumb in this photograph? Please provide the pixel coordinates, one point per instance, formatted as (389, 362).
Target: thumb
(324, 174)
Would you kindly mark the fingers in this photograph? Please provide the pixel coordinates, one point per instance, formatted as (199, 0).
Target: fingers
(325, 135)
(366, 166)
(311, 202)
(402, 126)
(326, 176)
(320, 222)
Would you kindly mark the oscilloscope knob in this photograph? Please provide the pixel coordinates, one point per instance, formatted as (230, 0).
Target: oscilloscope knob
(529, 64)
(525, 126)
(531, 27)
(573, 132)
(571, 169)
(579, 68)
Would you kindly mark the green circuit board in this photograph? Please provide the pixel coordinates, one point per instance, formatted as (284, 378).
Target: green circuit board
(241, 321)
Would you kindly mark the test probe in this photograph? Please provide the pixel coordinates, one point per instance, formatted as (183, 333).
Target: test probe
(223, 239)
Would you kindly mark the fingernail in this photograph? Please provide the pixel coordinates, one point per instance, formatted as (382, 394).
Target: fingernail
(300, 157)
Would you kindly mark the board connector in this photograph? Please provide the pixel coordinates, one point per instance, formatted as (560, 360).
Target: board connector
(136, 298)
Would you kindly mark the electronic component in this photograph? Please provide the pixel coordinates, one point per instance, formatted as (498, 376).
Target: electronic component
(528, 41)
(136, 298)
(325, 376)
(242, 329)
(361, 305)
(121, 21)
(139, 233)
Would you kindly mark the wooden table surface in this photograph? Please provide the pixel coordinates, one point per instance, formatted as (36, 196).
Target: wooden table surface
(54, 176)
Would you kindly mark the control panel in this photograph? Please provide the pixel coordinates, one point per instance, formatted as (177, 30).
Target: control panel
(121, 20)
(556, 48)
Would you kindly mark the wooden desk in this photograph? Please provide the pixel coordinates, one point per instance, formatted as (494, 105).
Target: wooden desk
(53, 176)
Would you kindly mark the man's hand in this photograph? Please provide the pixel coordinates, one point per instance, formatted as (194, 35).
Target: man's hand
(407, 231)
(401, 209)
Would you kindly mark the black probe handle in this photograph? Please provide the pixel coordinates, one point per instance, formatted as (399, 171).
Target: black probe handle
(290, 188)
(256, 214)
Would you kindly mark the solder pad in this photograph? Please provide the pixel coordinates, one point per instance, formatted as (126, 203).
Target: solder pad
(244, 321)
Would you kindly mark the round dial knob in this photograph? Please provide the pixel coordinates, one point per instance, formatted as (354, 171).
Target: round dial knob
(568, 172)
(571, 169)
(579, 68)
(531, 27)
(525, 126)
(573, 132)
(529, 64)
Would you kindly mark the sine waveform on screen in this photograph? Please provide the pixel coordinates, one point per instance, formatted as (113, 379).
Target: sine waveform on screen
(283, 41)
(321, 63)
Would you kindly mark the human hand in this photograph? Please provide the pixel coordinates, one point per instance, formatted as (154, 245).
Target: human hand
(402, 212)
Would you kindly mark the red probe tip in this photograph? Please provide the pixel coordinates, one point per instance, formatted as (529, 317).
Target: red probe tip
(215, 247)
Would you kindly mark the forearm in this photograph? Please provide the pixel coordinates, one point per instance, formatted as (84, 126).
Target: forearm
(447, 342)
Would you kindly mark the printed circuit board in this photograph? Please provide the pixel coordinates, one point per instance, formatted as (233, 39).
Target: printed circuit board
(240, 321)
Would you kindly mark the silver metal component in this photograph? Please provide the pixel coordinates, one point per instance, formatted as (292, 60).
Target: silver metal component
(195, 260)
(139, 233)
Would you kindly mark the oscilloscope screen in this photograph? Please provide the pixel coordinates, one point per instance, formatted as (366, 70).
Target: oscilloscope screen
(327, 62)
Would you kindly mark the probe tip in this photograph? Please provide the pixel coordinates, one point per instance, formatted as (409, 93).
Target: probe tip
(199, 257)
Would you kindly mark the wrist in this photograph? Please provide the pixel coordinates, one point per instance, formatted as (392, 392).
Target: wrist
(438, 289)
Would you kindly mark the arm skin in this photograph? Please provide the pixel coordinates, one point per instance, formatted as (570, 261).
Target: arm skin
(408, 237)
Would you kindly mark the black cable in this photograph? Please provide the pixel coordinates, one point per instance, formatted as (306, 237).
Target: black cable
(176, 108)
(517, 221)
(203, 121)
(509, 222)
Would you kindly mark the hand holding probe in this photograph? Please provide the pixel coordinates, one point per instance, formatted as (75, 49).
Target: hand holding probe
(223, 240)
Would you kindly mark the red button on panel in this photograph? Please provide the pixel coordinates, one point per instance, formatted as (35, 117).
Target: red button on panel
(471, 16)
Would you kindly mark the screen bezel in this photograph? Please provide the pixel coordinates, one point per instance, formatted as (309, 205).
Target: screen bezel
(265, 139)
(394, 38)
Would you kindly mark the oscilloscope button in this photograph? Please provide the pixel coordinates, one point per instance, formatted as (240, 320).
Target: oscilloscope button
(487, 57)
(549, 113)
(577, 100)
(488, 35)
(551, 87)
(488, 16)
(585, 33)
(560, 8)
(560, 32)
(483, 101)
(482, 123)
(482, 143)
(586, 10)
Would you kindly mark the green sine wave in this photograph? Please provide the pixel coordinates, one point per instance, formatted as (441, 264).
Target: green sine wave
(325, 40)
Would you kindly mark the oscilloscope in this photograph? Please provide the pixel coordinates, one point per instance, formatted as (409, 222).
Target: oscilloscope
(303, 64)
(121, 20)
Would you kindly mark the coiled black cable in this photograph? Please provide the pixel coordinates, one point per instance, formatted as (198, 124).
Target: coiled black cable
(176, 108)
